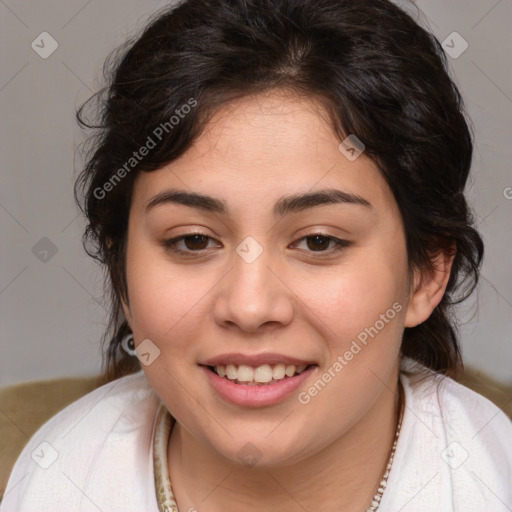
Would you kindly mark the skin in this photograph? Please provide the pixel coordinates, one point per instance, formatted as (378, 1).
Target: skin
(299, 297)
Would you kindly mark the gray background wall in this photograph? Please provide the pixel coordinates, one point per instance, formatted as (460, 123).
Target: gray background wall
(52, 315)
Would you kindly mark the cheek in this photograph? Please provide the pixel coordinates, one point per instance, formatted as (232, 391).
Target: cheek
(355, 294)
(168, 302)
(162, 306)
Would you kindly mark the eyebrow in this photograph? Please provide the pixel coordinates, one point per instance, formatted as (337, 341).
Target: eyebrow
(285, 205)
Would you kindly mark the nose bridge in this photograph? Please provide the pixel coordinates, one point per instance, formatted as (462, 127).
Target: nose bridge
(252, 262)
(252, 294)
(251, 278)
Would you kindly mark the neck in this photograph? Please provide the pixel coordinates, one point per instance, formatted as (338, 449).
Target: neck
(343, 476)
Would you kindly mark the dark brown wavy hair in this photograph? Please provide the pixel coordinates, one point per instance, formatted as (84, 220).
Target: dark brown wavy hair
(380, 76)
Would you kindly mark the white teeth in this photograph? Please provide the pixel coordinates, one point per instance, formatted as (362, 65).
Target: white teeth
(279, 371)
(290, 370)
(245, 373)
(262, 374)
(231, 372)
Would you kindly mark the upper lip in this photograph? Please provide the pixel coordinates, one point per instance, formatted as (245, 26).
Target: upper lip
(254, 360)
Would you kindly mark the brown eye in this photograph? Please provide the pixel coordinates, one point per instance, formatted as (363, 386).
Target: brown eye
(320, 243)
(196, 242)
(193, 242)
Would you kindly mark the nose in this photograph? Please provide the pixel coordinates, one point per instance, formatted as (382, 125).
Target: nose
(253, 295)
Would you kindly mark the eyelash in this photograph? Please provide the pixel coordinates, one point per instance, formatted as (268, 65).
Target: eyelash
(171, 244)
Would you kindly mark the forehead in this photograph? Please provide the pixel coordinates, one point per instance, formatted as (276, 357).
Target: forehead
(261, 148)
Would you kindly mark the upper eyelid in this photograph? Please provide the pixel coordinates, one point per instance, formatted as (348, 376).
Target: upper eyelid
(198, 233)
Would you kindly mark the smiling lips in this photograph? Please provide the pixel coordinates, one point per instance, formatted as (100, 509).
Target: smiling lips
(263, 374)
(258, 369)
(252, 393)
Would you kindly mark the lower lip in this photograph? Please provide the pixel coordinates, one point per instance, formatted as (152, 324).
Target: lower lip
(256, 396)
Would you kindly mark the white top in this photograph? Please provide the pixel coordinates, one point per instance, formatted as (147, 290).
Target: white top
(454, 452)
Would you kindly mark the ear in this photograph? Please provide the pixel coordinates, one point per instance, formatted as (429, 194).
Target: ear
(428, 288)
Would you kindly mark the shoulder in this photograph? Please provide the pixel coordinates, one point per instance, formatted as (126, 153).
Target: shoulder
(475, 427)
(458, 407)
(455, 451)
(106, 405)
(85, 443)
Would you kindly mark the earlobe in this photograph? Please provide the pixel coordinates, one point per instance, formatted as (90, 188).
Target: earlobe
(428, 289)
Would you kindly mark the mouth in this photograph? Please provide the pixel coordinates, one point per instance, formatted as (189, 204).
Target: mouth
(262, 375)
(249, 386)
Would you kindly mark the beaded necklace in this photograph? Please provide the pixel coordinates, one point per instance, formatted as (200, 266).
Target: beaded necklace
(382, 486)
(165, 496)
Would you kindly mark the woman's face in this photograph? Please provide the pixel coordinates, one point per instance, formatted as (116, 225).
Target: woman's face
(258, 281)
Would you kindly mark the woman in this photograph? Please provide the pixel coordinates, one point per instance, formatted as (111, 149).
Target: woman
(276, 192)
